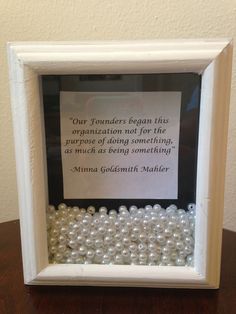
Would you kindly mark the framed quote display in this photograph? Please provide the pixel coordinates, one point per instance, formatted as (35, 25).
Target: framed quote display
(120, 154)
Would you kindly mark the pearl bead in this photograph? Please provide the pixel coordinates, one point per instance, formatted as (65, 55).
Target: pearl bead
(170, 243)
(58, 257)
(74, 254)
(180, 261)
(111, 251)
(79, 260)
(119, 246)
(91, 210)
(82, 250)
(69, 260)
(53, 249)
(161, 239)
(103, 210)
(90, 254)
(80, 239)
(152, 257)
(134, 256)
(62, 206)
(61, 248)
(106, 259)
(168, 232)
(190, 260)
(98, 243)
(142, 247)
(53, 241)
(118, 259)
(73, 244)
(133, 248)
(142, 257)
(188, 249)
(179, 245)
(165, 259)
(125, 253)
(72, 234)
(89, 242)
(51, 209)
(133, 237)
(151, 238)
(126, 241)
(142, 237)
(166, 250)
(157, 207)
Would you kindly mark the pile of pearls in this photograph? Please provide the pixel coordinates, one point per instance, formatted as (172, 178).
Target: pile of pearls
(136, 236)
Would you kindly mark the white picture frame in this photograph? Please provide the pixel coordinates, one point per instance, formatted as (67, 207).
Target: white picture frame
(210, 58)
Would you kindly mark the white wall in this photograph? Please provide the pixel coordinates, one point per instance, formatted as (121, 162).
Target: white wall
(34, 20)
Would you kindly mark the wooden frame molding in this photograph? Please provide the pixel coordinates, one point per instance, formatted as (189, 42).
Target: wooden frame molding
(210, 58)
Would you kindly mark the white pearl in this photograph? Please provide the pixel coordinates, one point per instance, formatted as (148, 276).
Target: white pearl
(151, 238)
(170, 243)
(72, 234)
(80, 239)
(142, 237)
(82, 250)
(157, 207)
(106, 259)
(152, 257)
(58, 257)
(119, 246)
(125, 253)
(188, 249)
(53, 249)
(134, 256)
(161, 239)
(89, 242)
(98, 243)
(126, 241)
(91, 210)
(74, 254)
(142, 247)
(108, 240)
(133, 210)
(166, 250)
(102, 210)
(165, 259)
(111, 251)
(62, 206)
(168, 232)
(90, 254)
(190, 260)
(79, 260)
(180, 261)
(142, 257)
(51, 209)
(73, 244)
(61, 248)
(179, 245)
(133, 247)
(118, 259)
(53, 241)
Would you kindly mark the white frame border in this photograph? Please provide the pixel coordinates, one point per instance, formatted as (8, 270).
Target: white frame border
(28, 60)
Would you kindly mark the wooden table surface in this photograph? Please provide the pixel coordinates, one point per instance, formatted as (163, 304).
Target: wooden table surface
(16, 298)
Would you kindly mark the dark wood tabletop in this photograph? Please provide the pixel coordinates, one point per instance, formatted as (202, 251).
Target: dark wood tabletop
(15, 297)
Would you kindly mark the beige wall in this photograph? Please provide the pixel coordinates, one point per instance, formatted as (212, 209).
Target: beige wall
(34, 20)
